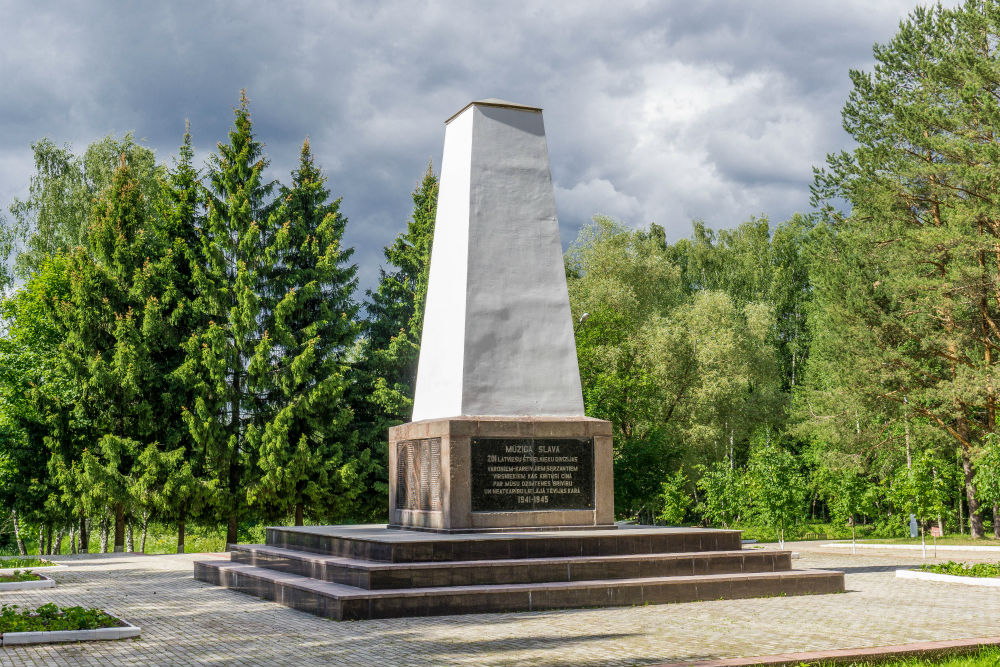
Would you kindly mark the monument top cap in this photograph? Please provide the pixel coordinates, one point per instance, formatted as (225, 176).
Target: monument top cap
(494, 102)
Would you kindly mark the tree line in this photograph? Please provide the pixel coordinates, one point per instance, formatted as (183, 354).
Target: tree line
(189, 345)
(860, 339)
(185, 345)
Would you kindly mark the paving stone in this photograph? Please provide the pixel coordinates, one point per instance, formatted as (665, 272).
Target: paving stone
(187, 622)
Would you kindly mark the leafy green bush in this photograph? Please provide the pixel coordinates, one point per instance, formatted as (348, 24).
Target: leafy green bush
(18, 575)
(51, 617)
(964, 569)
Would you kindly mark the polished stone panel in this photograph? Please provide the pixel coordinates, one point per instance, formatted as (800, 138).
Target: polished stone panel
(524, 474)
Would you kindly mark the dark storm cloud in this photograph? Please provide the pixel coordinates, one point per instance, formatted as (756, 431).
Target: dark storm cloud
(654, 111)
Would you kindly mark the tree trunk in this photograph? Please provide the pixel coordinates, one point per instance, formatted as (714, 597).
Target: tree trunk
(21, 551)
(961, 515)
(180, 531)
(72, 538)
(298, 514)
(145, 529)
(84, 535)
(119, 527)
(48, 539)
(41, 540)
(57, 547)
(129, 542)
(996, 522)
(104, 534)
(232, 536)
(975, 515)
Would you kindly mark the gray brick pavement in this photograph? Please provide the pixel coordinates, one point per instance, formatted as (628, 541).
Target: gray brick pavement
(186, 622)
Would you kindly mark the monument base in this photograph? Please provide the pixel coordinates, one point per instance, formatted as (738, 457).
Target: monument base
(362, 572)
(489, 474)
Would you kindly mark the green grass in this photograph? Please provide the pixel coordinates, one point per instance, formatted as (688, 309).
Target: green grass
(964, 569)
(25, 562)
(51, 617)
(951, 539)
(18, 575)
(989, 657)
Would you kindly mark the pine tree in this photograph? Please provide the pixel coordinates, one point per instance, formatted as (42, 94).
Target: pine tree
(909, 281)
(387, 370)
(230, 274)
(306, 443)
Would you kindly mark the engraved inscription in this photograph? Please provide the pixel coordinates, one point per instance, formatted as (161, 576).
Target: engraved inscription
(418, 474)
(532, 474)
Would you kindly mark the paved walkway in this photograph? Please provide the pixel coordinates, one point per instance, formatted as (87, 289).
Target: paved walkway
(186, 622)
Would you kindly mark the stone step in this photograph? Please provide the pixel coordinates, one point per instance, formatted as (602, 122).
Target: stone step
(381, 575)
(375, 542)
(341, 602)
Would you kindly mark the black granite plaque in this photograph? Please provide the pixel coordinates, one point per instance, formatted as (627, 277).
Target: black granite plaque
(511, 474)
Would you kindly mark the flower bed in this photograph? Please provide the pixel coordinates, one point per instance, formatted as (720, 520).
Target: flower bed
(50, 623)
(23, 581)
(964, 569)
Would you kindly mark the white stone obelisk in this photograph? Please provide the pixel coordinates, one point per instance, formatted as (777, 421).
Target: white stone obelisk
(498, 333)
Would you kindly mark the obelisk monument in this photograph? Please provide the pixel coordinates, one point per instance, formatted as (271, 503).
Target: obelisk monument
(499, 439)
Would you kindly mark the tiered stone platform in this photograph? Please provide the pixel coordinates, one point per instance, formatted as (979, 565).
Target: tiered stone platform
(360, 572)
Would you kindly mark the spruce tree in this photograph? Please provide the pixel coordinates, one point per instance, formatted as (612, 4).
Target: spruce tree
(230, 274)
(104, 352)
(179, 485)
(387, 370)
(308, 457)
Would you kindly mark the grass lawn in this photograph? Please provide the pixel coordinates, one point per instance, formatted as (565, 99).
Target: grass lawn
(952, 539)
(986, 658)
(25, 562)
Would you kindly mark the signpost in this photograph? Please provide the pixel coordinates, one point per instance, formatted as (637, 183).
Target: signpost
(935, 533)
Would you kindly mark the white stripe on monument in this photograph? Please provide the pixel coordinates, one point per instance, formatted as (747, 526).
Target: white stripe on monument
(498, 334)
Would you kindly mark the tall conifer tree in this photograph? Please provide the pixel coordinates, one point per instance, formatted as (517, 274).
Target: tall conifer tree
(230, 275)
(105, 352)
(387, 372)
(174, 479)
(307, 448)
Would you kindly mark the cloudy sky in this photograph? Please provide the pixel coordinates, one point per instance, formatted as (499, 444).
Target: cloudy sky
(654, 111)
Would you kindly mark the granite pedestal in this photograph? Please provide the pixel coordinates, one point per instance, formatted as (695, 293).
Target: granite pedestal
(468, 474)
(361, 572)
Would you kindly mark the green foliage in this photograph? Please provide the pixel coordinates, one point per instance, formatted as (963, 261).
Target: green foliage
(385, 374)
(905, 283)
(50, 617)
(675, 499)
(723, 493)
(775, 484)
(922, 489)
(231, 274)
(308, 455)
(684, 374)
(964, 569)
(18, 575)
(25, 562)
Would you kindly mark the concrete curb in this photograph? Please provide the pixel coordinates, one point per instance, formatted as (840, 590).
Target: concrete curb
(35, 569)
(916, 547)
(993, 582)
(56, 636)
(44, 582)
(875, 654)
